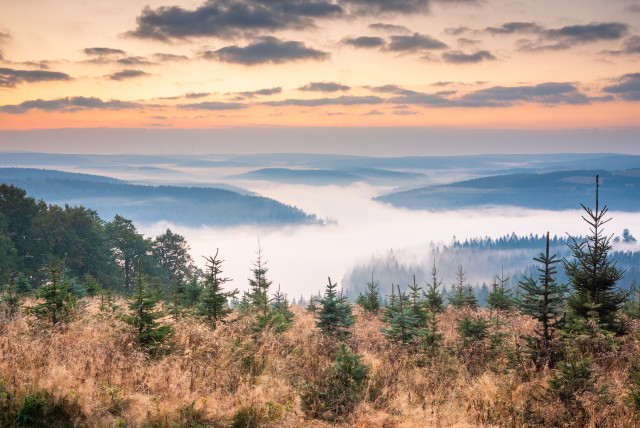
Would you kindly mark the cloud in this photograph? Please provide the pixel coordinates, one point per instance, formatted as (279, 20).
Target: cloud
(215, 106)
(415, 42)
(127, 74)
(627, 87)
(10, 77)
(529, 46)
(193, 95)
(631, 47)
(457, 57)
(373, 112)
(634, 8)
(464, 42)
(68, 104)
(103, 52)
(324, 87)
(515, 27)
(343, 100)
(259, 92)
(365, 42)
(392, 89)
(382, 7)
(134, 60)
(588, 33)
(266, 50)
(551, 93)
(228, 19)
(456, 31)
(165, 57)
(390, 28)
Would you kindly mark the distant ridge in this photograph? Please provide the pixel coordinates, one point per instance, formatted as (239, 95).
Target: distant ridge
(191, 206)
(620, 190)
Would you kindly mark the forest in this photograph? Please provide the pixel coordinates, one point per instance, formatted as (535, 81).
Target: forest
(100, 326)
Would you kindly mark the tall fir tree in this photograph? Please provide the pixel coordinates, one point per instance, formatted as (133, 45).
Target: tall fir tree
(462, 293)
(334, 316)
(593, 274)
(432, 295)
(370, 300)
(544, 300)
(214, 300)
(152, 335)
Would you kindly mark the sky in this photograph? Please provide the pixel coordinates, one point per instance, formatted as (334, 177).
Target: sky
(548, 65)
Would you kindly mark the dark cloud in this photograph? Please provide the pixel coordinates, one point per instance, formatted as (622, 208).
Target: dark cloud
(588, 33)
(389, 28)
(103, 52)
(456, 31)
(415, 42)
(464, 42)
(551, 93)
(216, 106)
(69, 104)
(627, 87)
(134, 60)
(10, 77)
(127, 74)
(231, 18)
(165, 57)
(441, 83)
(457, 57)
(343, 100)
(259, 92)
(42, 65)
(634, 8)
(324, 87)
(380, 7)
(515, 27)
(525, 45)
(631, 46)
(1, 56)
(365, 42)
(193, 95)
(266, 50)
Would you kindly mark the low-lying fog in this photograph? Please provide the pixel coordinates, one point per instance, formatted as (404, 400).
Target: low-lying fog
(301, 257)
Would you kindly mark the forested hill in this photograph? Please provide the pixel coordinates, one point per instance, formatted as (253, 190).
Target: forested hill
(191, 206)
(620, 190)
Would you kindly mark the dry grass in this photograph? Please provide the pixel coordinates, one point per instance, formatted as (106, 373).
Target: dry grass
(93, 370)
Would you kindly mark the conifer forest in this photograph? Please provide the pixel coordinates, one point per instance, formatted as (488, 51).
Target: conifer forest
(101, 326)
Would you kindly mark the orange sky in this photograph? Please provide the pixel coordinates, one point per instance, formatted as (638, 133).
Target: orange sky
(489, 64)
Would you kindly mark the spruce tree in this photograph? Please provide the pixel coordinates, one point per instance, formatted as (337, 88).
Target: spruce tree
(213, 300)
(402, 319)
(417, 305)
(259, 292)
(334, 316)
(593, 274)
(500, 297)
(370, 300)
(281, 306)
(543, 300)
(461, 292)
(10, 300)
(432, 295)
(58, 304)
(152, 335)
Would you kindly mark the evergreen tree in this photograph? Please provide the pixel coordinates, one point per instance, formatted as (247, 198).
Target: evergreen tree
(213, 300)
(334, 317)
(370, 300)
(461, 292)
(281, 306)
(152, 335)
(10, 301)
(544, 300)
(593, 274)
(433, 296)
(259, 292)
(500, 297)
(58, 304)
(417, 305)
(402, 319)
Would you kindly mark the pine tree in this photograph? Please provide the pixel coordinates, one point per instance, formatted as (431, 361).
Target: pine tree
(500, 297)
(334, 317)
(213, 300)
(402, 319)
(152, 335)
(433, 296)
(461, 292)
(544, 300)
(58, 304)
(593, 274)
(259, 292)
(370, 300)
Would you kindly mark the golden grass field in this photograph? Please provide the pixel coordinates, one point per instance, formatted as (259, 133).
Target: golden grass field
(91, 373)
